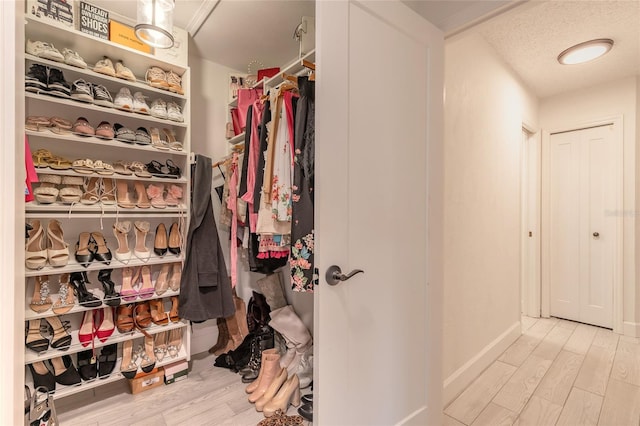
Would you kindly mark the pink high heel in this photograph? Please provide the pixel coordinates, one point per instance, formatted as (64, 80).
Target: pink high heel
(174, 194)
(128, 293)
(147, 289)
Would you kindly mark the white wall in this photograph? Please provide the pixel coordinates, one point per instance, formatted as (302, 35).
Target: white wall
(485, 107)
(209, 100)
(570, 110)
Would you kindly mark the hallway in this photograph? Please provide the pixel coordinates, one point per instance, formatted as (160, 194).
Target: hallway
(557, 373)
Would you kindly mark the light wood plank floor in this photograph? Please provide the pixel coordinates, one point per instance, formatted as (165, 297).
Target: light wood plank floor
(557, 373)
(210, 396)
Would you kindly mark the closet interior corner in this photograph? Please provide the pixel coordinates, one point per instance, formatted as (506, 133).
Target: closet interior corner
(169, 237)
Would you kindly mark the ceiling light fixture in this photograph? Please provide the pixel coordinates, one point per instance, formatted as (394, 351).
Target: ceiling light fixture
(585, 52)
(155, 23)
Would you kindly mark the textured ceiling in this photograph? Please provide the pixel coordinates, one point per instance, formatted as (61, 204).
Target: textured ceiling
(529, 38)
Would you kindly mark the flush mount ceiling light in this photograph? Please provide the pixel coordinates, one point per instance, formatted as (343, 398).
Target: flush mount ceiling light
(155, 23)
(585, 52)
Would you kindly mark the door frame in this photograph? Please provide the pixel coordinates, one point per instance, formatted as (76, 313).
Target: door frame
(618, 284)
(530, 221)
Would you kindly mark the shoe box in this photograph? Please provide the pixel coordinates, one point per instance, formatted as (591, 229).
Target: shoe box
(176, 372)
(145, 381)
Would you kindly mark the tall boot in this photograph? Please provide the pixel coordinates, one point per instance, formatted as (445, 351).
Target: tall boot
(257, 312)
(299, 341)
(235, 336)
(223, 338)
(241, 316)
(271, 287)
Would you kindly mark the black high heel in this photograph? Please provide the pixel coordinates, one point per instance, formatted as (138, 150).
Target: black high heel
(60, 339)
(79, 281)
(107, 360)
(42, 376)
(64, 370)
(111, 296)
(34, 339)
(87, 366)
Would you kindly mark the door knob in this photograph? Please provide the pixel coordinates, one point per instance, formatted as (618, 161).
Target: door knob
(596, 234)
(334, 274)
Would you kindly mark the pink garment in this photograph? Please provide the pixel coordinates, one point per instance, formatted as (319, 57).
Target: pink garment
(246, 98)
(254, 152)
(32, 176)
(233, 206)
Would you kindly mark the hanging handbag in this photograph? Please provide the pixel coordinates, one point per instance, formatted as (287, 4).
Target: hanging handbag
(42, 411)
(267, 73)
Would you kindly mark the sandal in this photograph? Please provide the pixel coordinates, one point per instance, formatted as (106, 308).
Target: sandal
(122, 168)
(108, 192)
(91, 191)
(59, 163)
(102, 168)
(142, 136)
(156, 141)
(124, 134)
(105, 131)
(171, 140)
(139, 169)
(40, 158)
(174, 170)
(71, 191)
(82, 127)
(84, 166)
(124, 318)
(158, 169)
(60, 125)
(47, 193)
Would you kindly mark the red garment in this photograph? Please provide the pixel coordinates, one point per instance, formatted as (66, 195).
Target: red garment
(32, 176)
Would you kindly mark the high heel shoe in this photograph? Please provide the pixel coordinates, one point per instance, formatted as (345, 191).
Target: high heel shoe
(121, 231)
(108, 192)
(124, 319)
(111, 296)
(155, 193)
(91, 191)
(176, 276)
(34, 339)
(101, 252)
(84, 252)
(65, 296)
(107, 326)
(35, 251)
(60, 339)
(140, 250)
(158, 315)
(107, 360)
(42, 377)
(268, 372)
(162, 280)
(175, 342)
(175, 239)
(160, 240)
(148, 357)
(129, 278)
(41, 301)
(58, 253)
(271, 390)
(79, 281)
(174, 195)
(267, 356)
(128, 368)
(173, 313)
(289, 393)
(87, 366)
(141, 201)
(87, 329)
(160, 345)
(122, 192)
(64, 371)
(142, 317)
(147, 288)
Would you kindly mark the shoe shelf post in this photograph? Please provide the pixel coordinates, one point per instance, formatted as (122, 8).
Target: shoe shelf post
(105, 235)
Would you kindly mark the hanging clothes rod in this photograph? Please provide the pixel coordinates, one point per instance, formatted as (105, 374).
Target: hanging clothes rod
(237, 149)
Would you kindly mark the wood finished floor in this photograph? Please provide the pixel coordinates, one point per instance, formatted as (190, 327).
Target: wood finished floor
(557, 373)
(210, 396)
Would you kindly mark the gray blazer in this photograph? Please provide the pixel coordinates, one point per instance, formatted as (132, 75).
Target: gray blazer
(205, 287)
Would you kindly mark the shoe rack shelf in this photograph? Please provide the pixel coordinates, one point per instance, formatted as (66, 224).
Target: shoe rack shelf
(81, 109)
(236, 139)
(89, 218)
(113, 144)
(113, 84)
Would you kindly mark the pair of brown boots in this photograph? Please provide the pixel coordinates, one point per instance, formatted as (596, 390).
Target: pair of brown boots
(231, 330)
(274, 389)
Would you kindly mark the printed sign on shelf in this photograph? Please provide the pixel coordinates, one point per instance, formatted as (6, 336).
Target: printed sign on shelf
(58, 11)
(94, 20)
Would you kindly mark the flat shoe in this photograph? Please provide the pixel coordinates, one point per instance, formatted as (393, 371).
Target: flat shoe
(82, 127)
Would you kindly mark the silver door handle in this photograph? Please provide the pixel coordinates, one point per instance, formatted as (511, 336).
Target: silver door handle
(596, 234)
(334, 274)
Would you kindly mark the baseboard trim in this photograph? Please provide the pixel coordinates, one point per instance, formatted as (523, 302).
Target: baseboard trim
(631, 329)
(463, 376)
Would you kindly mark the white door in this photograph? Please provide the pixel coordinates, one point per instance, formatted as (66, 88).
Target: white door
(530, 232)
(378, 208)
(583, 226)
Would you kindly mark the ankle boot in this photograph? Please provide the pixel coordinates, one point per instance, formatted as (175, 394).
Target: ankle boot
(272, 390)
(263, 340)
(286, 322)
(268, 355)
(271, 288)
(223, 338)
(289, 393)
(111, 296)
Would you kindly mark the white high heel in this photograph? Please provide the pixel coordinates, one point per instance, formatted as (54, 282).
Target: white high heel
(121, 232)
